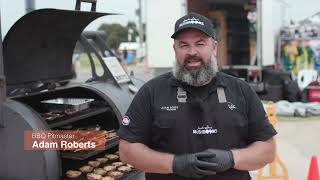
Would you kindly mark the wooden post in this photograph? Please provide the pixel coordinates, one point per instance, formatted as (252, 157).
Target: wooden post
(220, 17)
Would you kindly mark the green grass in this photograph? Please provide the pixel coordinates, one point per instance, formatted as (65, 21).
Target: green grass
(85, 63)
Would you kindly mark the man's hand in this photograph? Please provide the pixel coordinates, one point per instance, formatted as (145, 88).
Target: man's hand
(191, 165)
(222, 159)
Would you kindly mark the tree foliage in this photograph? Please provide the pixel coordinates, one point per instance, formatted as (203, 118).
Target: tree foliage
(133, 26)
(117, 33)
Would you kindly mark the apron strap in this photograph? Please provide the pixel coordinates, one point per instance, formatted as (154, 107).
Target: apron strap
(181, 95)
(221, 95)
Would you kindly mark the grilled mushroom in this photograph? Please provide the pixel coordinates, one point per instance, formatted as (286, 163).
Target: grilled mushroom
(109, 168)
(115, 174)
(86, 169)
(73, 174)
(124, 169)
(100, 171)
(102, 160)
(111, 156)
(107, 178)
(92, 176)
(94, 163)
(117, 164)
(130, 166)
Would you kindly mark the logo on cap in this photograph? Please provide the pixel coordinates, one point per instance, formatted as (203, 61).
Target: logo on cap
(191, 21)
(125, 120)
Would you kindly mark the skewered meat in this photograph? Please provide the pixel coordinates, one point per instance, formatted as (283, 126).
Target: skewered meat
(70, 112)
(52, 115)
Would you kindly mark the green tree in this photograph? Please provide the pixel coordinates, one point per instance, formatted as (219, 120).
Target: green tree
(133, 26)
(116, 33)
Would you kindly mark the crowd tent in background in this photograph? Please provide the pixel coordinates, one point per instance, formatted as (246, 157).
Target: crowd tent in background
(131, 51)
(299, 47)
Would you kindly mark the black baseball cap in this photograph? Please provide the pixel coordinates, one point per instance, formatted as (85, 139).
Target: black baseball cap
(195, 21)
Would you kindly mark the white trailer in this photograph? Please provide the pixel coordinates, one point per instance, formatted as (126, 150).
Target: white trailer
(161, 16)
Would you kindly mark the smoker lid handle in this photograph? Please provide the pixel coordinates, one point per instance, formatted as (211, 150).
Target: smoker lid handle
(93, 4)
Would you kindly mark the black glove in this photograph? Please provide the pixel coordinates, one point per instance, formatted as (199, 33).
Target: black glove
(223, 159)
(190, 165)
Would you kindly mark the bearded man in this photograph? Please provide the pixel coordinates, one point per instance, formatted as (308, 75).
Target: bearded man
(196, 122)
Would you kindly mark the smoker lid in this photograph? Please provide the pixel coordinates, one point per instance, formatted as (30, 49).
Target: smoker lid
(39, 46)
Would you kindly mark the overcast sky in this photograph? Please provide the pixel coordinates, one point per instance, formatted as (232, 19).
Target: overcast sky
(12, 10)
(300, 9)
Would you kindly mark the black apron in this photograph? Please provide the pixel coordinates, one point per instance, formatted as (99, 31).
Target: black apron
(218, 124)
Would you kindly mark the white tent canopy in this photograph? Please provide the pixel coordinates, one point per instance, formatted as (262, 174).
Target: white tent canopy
(130, 46)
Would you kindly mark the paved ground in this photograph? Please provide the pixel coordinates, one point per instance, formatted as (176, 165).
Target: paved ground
(297, 140)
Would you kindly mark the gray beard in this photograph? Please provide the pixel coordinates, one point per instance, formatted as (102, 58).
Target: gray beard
(198, 77)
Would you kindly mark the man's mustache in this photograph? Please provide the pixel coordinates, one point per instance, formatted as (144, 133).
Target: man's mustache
(190, 58)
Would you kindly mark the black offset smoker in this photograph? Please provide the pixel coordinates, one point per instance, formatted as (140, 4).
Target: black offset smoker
(37, 54)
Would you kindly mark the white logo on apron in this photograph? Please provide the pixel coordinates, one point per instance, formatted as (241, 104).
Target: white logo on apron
(125, 120)
(231, 106)
(205, 130)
